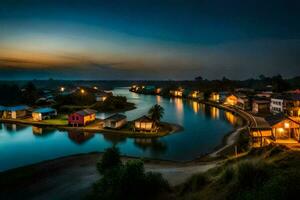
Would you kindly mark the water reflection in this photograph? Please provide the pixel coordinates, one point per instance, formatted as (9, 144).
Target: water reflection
(14, 127)
(80, 137)
(179, 108)
(39, 131)
(114, 139)
(214, 112)
(155, 146)
(158, 99)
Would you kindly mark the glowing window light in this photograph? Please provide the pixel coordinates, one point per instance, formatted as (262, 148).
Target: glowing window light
(281, 130)
(286, 125)
(62, 89)
(82, 91)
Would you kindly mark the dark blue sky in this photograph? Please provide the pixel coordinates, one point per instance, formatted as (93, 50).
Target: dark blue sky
(148, 39)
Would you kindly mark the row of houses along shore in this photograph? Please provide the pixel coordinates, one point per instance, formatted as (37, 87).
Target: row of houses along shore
(80, 118)
(276, 115)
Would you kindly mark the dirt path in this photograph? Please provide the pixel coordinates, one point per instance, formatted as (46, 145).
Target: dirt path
(72, 177)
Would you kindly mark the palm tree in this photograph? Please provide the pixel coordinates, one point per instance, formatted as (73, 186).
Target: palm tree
(156, 112)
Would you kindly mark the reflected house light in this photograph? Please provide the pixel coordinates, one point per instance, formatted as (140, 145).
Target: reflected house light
(95, 88)
(215, 112)
(158, 99)
(195, 106)
(62, 89)
(82, 91)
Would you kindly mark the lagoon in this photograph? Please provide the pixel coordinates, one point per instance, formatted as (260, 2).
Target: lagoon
(204, 129)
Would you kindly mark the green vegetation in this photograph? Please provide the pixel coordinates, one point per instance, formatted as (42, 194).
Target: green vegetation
(113, 103)
(126, 181)
(271, 173)
(156, 112)
(78, 101)
(12, 94)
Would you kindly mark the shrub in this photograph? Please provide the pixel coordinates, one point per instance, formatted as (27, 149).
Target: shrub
(110, 160)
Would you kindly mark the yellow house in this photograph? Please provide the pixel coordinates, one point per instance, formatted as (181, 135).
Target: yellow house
(214, 96)
(145, 123)
(231, 100)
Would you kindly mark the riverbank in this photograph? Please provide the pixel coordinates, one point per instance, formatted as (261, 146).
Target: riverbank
(97, 127)
(76, 174)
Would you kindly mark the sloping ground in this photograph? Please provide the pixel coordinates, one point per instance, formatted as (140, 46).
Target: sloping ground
(72, 177)
(270, 173)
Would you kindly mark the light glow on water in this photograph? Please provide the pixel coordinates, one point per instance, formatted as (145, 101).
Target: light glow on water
(204, 128)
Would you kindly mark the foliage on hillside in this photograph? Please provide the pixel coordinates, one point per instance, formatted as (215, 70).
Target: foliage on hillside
(271, 173)
(126, 181)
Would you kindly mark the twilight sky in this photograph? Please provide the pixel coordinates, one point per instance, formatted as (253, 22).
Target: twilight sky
(136, 39)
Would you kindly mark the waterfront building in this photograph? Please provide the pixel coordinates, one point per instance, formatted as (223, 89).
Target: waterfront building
(43, 113)
(260, 105)
(196, 95)
(231, 100)
(214, 96)
(145, 123)
(115, 121)
(243, 102)
(82, 117)
(177, 93)
(15, 112)
(277, 104)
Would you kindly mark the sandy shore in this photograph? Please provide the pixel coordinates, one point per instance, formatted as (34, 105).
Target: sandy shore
(72, 177)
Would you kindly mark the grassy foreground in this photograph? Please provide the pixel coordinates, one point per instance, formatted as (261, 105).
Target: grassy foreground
(270, 173)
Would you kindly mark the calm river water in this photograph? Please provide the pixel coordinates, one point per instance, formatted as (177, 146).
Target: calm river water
(204, 128)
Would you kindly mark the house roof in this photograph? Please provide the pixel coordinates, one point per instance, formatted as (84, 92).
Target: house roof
(261, 100)
(144, 119)
(44, 110)
(86, 112)
(16, 108)
(274, 119)
(116, 117)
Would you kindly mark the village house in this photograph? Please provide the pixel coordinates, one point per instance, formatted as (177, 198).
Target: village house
(196, 95)
(149, 89)
(82, 117)
(277, 104)
(243, 102)
(43, 113)
(158, 90)
(177, 93)
(2, 108)
(276, 128)
(293, 106)
(15, 112)
(115, 121)
(214, 96)
(260, 105)
(231, 100)
(284, 128)
(145, 123)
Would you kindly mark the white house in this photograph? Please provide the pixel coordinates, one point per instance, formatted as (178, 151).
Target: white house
(277, 104)
(115, 121)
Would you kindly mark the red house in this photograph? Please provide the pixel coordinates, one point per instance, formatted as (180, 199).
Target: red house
(82, 117)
